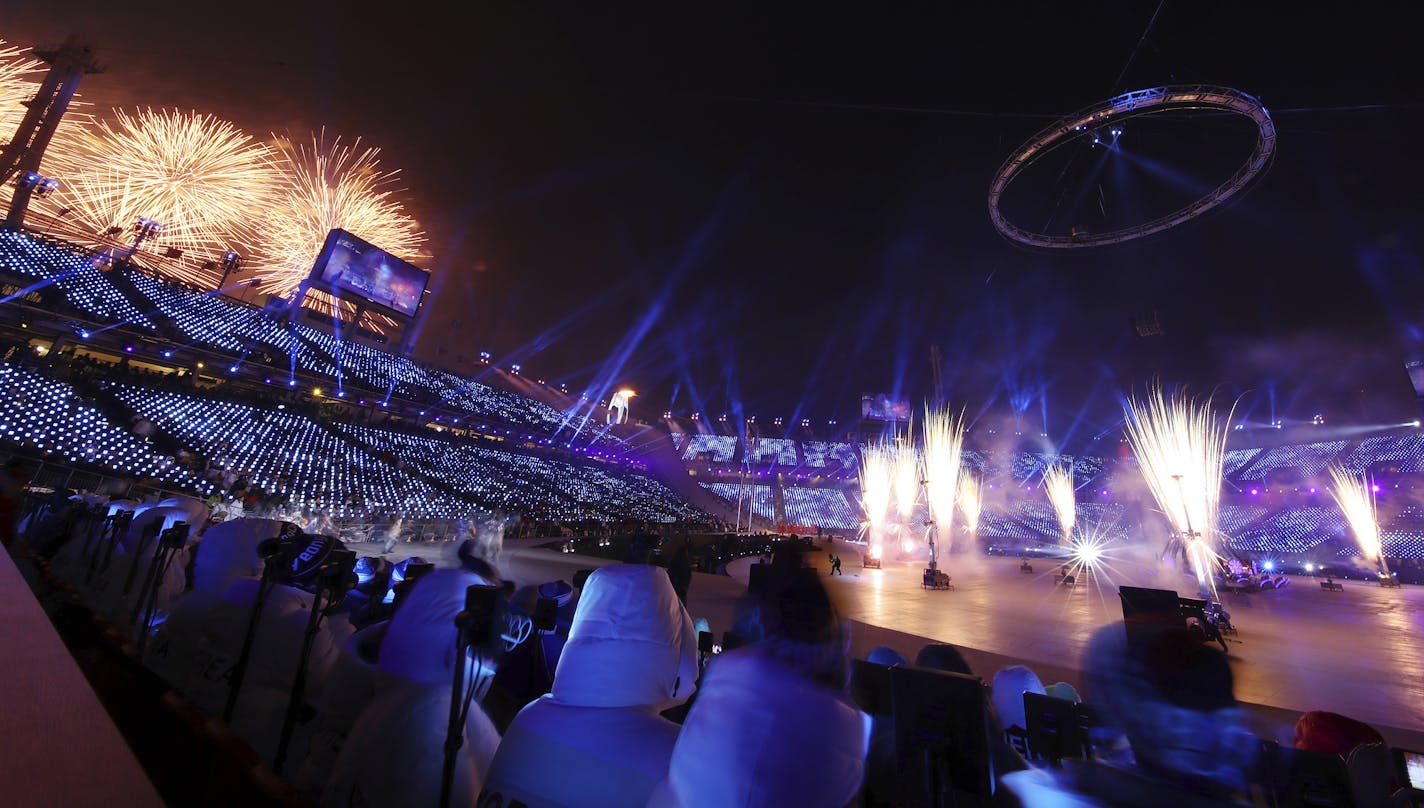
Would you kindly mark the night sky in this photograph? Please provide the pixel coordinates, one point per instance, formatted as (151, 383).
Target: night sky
(772, 211)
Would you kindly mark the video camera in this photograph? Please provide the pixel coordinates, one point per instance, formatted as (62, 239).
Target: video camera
(174, 537)
(309, 562)
(481, 619)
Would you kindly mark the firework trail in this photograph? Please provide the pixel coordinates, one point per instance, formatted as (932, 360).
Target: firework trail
(323, 186)
(206, 182)
(1058, 482)
(876, 488)
(1180, 445)
(1355, 496)
(19, 78)
(971, 501)
(905, 476)
(943, 445)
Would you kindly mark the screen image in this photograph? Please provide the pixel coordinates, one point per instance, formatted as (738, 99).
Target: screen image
(880, 407)
(1414, 768)
(347, 263)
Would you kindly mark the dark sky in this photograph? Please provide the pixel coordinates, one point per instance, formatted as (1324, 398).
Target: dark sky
(774, 210)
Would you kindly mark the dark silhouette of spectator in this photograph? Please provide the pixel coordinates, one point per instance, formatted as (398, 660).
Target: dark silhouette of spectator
(1171, 696)
(762, 734)
(1332, 733)
(943, 657)
(680, 571)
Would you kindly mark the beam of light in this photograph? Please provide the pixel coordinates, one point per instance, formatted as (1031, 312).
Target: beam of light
(876, 488)
(1058, 483)
(1355, 496)
(205, 181)
(1180, 446)
(19, 79)
(971, 501)
(322, 186)
(943, 447)
(38, 285)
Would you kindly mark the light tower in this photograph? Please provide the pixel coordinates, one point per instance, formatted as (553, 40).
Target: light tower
(22, 155)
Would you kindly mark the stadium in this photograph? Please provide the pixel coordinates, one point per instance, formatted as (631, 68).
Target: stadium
(238, 439)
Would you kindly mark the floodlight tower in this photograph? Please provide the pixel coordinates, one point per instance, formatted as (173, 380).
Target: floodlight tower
(22, 155)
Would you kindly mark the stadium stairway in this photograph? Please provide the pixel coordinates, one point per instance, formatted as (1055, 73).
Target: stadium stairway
(413, 470)
(119, 412)
(119, 279)
(664, 462)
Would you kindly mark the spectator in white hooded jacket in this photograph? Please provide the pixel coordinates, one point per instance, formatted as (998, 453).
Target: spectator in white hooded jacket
(597, 739)
(394, 754)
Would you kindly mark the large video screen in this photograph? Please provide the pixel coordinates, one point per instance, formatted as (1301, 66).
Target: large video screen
(880, 407)
(348, 263)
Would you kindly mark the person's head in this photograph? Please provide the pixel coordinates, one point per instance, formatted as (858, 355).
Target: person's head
(887, 656)
(227, 552)
(943, 657)
(1008, 690)
(794, 621)
(1063, 690)
(631, 643)
(1332, 733)
(1172, 696)
(420, 644)
(762, 734)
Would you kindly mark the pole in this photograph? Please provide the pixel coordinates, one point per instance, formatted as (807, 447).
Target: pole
(1187, 539)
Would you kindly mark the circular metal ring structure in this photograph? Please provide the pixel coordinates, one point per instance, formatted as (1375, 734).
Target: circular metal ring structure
(1120, 108)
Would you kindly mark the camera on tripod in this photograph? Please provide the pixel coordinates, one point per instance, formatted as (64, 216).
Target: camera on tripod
(174, 537)
(309, 562)
(480, 621)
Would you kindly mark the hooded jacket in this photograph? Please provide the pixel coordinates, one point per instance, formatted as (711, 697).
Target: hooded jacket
(131, 562)
(220, 625)
(762, 734)
(227, 553)
(71, 562)
(597, 738)
(394, 755)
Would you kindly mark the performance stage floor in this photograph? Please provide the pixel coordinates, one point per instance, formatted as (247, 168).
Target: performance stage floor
(1299, 648)
(1356, 652)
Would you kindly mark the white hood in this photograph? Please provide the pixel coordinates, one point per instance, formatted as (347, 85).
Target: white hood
(1010, 685)
(166, 517)
(197, 511)
(228, 552)
(631, 643)
(761, 734)
(121, 505)
(420, 643)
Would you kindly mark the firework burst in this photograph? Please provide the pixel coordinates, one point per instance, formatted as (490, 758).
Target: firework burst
(971, 501)
(19, 78)
(1058, 483)
(876, 488)
(943, 445)
(1355, 496)
(1180, 446)
(325, 186)
(208, 183)
(905, 471)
